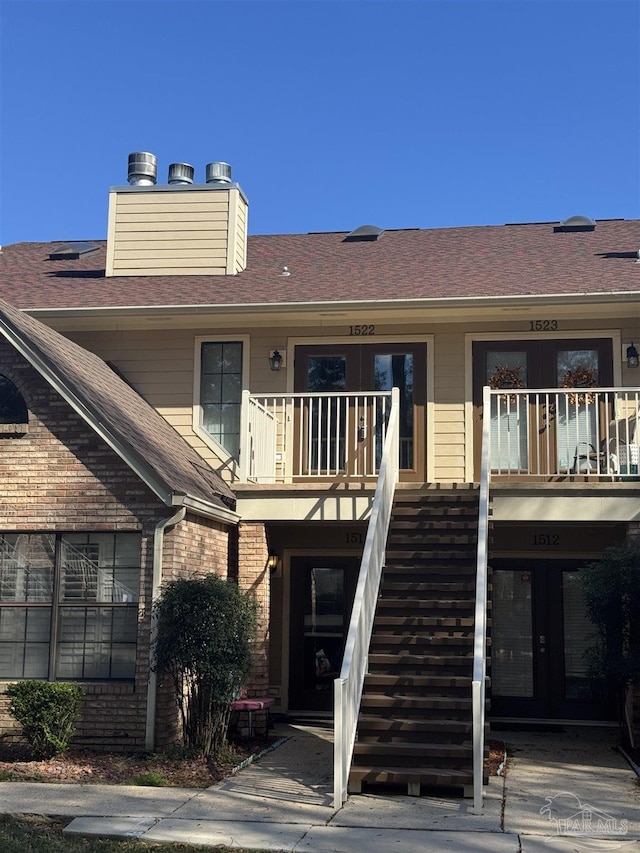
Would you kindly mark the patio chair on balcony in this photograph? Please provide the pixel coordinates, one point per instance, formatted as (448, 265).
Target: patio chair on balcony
(622, 446)
(615, 456)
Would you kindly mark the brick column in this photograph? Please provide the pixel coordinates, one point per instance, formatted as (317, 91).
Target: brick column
(253, 575)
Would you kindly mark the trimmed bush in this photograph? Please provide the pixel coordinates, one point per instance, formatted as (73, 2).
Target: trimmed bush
(47, 712)
(206, 626)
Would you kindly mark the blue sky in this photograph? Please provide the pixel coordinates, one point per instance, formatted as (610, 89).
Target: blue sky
(333, 114)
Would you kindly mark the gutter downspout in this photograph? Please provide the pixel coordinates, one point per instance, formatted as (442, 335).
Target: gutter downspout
(158, 540)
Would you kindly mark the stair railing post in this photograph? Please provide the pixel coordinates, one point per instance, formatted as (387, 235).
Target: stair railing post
(480, 632)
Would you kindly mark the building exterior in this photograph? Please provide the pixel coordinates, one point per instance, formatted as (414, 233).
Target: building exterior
(272, 358)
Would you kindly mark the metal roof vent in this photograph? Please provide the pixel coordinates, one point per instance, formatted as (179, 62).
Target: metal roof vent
(218, 173)
(180, 173)
(364, 234)
(72, 251)
(143, 169)
(576, 223)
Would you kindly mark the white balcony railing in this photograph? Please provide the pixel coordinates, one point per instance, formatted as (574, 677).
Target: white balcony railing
(562, 434)
(553, 433)
(348, 687)
(312, 436)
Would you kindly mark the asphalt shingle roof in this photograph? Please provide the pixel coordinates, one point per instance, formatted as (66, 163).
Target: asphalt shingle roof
(482, 261)
(126, 415)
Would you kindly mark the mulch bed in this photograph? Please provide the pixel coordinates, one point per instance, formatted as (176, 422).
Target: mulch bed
(86, 766)
(109, 768)
(496, 757)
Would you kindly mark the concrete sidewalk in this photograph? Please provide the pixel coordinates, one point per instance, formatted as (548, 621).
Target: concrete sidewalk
(572, 781)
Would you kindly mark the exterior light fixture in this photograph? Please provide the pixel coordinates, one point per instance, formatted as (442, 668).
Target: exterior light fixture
(275, 360)
(272, 562)
(632, 356)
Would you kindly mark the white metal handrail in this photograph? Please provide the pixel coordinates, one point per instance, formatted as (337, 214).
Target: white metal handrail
(552, 432)
(312, 435)
(478, 677)
(348, 687)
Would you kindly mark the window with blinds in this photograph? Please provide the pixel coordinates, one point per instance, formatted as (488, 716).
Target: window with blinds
(68, 605)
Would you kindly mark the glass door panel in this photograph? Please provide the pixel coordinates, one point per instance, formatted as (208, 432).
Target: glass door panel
(341, 435)
(395, 370)
(577, 429)
(512, 635)
(322, 590)
(509, 419)
(540, 637)
(579, 635)
(326, 416)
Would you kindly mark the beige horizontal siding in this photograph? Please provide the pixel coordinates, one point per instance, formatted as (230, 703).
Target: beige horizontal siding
(163, 216)
(177, 270)
(177, 225)
(155, 262)
(188, 198)
(211, 250)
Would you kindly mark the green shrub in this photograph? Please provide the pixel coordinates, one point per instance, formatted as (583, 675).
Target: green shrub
(47, 712)
(205, 627)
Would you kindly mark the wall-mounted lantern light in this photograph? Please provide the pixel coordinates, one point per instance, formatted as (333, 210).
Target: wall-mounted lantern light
(275, 360)
(272, 562)
(632, 356)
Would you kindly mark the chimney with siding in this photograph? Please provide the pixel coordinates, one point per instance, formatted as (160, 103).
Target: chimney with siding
(178, 228)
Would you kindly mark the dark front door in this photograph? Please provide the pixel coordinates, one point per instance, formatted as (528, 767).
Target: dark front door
(322, 591)
(540, 635)
(364, 367)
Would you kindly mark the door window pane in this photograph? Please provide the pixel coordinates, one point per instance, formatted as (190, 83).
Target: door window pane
(327, 415)
(512, 634)
(579, 635)
(221, 392)
(395, 370)
(577, 426)
(323, 627)
(509, 416)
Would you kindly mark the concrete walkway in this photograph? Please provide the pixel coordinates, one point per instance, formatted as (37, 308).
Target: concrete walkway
(568, 791)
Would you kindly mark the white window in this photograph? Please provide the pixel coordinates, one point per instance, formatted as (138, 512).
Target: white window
(221, 392)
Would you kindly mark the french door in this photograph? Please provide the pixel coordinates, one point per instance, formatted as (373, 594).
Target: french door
(540, 637)
(365, 367)
(322, 592)
(540, 364)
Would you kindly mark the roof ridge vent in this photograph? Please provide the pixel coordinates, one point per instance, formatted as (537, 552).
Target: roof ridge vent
(576, 223)
(143, 169)
(181, 173)
(364, 234)
(218, 173)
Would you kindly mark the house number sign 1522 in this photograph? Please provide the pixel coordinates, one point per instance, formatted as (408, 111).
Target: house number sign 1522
(361, 331)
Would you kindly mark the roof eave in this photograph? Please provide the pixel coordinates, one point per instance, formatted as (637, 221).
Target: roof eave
(157, 485)
(287, 307)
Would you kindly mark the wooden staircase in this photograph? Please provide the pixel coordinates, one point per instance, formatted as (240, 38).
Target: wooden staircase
(415, 722)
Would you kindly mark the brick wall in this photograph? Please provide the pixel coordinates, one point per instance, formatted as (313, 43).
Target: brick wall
(253, 575)
(60, 476)
(195, 546)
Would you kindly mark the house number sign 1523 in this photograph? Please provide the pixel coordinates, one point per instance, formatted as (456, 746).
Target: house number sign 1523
(543, 325)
